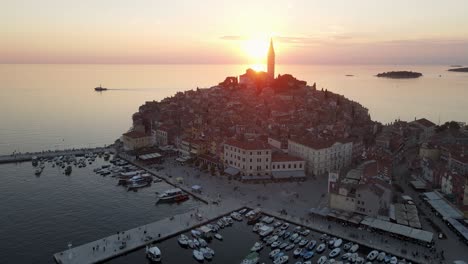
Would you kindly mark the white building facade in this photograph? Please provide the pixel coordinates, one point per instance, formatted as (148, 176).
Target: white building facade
(322, 157)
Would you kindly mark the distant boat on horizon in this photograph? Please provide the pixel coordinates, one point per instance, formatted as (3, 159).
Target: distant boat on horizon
(100, 89)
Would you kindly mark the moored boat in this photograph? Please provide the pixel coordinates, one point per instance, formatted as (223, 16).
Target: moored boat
(198, 255)
(153, 254)
(251, 258)
(170, 195)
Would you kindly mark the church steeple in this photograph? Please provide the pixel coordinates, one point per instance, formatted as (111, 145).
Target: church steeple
(271, 60)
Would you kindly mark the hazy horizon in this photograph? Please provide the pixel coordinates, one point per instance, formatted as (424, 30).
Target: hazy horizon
(213, 32)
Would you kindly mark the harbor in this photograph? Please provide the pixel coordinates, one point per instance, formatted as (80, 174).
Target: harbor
(123, 242)
(23, 157)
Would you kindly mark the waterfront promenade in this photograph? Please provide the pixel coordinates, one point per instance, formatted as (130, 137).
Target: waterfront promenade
(22, 157)
(126, 241)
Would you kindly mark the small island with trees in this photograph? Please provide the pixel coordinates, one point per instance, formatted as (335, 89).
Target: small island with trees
(464, 69)
(400, 74)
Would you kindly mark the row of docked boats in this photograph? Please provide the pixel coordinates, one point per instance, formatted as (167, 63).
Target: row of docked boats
(276, 235)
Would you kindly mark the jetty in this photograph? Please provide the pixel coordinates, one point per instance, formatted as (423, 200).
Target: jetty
(22, 157)
(123, 242)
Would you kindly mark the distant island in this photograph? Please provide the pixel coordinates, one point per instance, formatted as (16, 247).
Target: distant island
(400, 74)
(465, 69)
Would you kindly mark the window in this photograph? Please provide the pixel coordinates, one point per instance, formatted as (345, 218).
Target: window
(273, 166)
(300, 165)
(250, 167)
(267, 167)
(294, 165)
(284, 166)
(250, 160)
(289, 166)
(259, 153)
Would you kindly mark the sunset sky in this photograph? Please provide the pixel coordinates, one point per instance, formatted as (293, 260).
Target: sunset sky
(209, 31)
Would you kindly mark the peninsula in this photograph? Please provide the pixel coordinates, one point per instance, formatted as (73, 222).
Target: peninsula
(464, 69)
(400, 74)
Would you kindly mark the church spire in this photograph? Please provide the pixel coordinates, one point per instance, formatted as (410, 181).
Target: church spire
(271, 60)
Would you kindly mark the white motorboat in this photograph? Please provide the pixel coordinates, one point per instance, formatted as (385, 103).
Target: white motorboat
(393, 260)
(275, 244)
(198, 255)
(347, 246)
(281, 260)
(183, 240)
(338, 243)
(218, 236)
(372, 255)
(206, 253)
(153, 254)
(354, 248)
(251, 258)
(170, 195)
(321, 248)
(293, 237)
(335, 252)
(381, 256)
(257, 247)
(305, 232)
(273, 253)
(322, 260)
(297, 252)
(303, 242)
(284, 226)
(289, 247)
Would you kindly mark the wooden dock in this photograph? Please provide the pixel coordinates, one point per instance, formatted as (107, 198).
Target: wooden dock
(22, 157)
(126, 241)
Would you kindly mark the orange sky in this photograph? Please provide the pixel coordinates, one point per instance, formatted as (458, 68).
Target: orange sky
(305, 31)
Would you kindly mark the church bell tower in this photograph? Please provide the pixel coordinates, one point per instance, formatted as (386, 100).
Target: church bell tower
(271, 61)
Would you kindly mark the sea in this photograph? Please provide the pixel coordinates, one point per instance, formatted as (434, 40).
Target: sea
(49, 107)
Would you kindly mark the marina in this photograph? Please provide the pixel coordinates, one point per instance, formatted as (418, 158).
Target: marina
(22, 157)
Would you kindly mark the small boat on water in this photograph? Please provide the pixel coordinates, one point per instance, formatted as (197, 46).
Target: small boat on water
(347, 246)
(218, 236)
(335, 252)
(311, 244)
(153, 254)
(284, 226)
(308, 255)
(100, 89)
(283, 245)
(322, 260)
(38, 171)
(338, 243)
(274, 252)
(170, 195)
(321, 248)
(251, 258)
(281, 260)
(289, 247)
(354, 248)
(68, 170)
(297, 252)
(183, 240)
(207, 253)
(372, 255)
(381, 256)
(257, 246)
(275, 244)
(198, 255)
(303, 242)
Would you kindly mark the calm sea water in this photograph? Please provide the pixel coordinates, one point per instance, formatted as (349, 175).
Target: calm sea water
(41, 215)
(55, 106)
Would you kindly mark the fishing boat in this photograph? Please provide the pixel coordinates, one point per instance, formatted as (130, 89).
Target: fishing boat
(218, 236)
(153, 254)
(100, 89)
(68, 170)
(251, 258)
(198, 255)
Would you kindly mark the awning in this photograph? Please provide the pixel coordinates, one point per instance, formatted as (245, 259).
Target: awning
(288, 174)
(231, 171)
(150, 156)
(418, 185)
(196, 187)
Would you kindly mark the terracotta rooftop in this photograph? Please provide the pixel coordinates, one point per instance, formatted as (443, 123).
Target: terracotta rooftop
(424, 122)
(319, 143)
(248, 144)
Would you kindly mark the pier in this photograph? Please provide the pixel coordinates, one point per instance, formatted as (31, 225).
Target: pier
(22, 157)
(123, 242)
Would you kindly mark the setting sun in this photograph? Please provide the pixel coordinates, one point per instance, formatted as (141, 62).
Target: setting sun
(255, 49)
